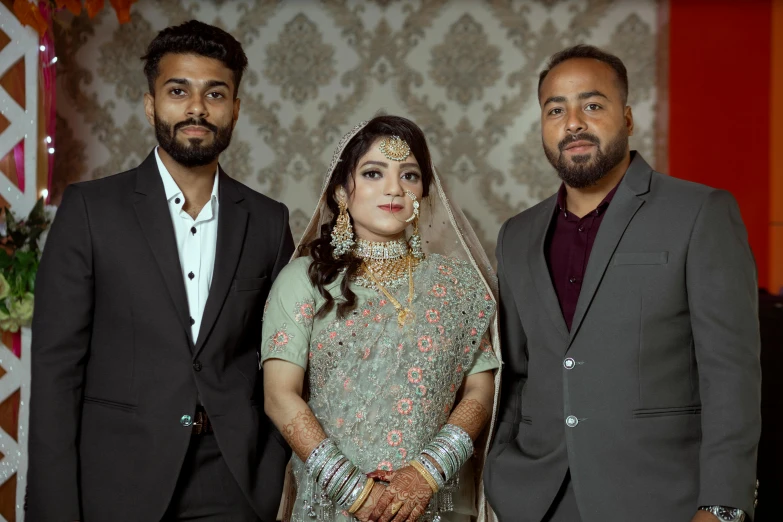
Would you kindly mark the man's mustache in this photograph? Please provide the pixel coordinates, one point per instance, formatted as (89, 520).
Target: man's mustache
(585, 136)
(192, 122)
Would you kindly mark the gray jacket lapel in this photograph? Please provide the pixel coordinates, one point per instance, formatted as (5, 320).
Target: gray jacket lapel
(232, 223)
(623, 207)
(538, 266)
(155, 220)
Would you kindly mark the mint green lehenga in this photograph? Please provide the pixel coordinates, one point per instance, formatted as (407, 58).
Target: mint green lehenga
(379, 390)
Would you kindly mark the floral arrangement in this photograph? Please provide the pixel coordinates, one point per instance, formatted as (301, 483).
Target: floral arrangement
(32, 12)
(21, 243)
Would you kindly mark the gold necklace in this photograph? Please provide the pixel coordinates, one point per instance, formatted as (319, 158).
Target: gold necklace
(403, 314)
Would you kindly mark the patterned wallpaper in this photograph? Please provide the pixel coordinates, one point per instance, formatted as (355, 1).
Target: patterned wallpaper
(464, 70)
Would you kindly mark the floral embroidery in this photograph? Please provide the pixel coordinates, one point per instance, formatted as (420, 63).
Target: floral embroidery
(394, 438)
(304, 312)
(385, 465)
(279, 340)
(375, 386)
(438, 291)
(404, 406)
(425, 343)
(414, 375)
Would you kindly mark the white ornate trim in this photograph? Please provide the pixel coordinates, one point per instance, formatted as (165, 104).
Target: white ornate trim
(23, 125)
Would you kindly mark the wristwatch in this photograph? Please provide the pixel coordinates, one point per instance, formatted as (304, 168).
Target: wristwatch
(725, 514)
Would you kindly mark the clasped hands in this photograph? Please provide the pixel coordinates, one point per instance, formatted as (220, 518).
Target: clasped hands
(404, 499)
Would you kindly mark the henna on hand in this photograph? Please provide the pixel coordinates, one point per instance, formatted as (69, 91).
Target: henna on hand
(471, 416)
(303, 433)
(408, 487)
(364, 512)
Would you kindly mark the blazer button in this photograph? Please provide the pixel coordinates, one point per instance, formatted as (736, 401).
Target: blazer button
(571, 421)
(186, 420)
(197, 366)
(569, 364)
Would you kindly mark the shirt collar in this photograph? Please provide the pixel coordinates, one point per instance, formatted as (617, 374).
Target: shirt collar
(601, 208)
(170, 186)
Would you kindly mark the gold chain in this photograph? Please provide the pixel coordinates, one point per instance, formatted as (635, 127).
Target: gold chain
(402, 313)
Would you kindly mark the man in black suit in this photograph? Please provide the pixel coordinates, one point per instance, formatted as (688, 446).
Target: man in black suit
(147, 402)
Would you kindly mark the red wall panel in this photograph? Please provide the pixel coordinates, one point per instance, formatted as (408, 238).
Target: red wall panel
(719, 99)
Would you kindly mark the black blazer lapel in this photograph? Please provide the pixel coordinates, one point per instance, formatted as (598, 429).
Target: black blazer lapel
(232, 224)
(622, 209)
(155, 220)
(539, 269)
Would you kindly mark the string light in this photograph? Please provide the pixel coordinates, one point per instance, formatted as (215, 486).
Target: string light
(48, 139)
(51, 150)
(45, 193)
(42, 48)
(54, 60)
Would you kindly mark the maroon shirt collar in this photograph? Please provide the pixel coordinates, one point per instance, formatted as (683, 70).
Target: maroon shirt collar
(561, 200)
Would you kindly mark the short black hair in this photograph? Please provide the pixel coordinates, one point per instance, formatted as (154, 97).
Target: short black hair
(194, 37)
(589, 51)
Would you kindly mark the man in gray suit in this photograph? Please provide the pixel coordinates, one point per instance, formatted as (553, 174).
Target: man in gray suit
(631, 384)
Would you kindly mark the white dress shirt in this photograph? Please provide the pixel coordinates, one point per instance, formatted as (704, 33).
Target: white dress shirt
(196, 243)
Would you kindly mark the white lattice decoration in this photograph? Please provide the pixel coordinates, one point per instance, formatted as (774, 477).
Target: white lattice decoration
(23, 125)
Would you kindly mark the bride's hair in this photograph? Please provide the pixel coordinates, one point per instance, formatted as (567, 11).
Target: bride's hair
(324, 269)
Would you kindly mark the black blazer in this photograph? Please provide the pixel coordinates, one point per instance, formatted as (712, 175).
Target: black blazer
(114, 368)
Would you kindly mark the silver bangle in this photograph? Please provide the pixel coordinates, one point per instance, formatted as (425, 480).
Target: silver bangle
(432, 470)
(347, 486)
(338, 480)
(451, 455)
(329, 471)
(353, 492)
(318, 455)
(440, 459)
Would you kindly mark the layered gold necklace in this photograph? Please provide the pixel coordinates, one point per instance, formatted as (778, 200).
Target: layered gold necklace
(387, 265)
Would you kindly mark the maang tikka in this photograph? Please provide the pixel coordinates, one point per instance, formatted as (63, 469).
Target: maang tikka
(415, 239)
(342, 232)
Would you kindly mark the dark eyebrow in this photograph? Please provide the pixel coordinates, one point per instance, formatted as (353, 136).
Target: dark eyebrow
(591, 94)
(216, 83)
(409, 165)
(379, 163)
(177, 81)
(210, 84)
(555, 99)
(582, 96)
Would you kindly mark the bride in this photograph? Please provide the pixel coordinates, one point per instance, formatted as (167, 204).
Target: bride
(379, 342)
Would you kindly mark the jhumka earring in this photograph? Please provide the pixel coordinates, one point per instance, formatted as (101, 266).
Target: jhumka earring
(415, 240)
(342, 232)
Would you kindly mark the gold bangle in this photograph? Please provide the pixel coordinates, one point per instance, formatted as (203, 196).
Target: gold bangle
(362, 496)
(426, 474)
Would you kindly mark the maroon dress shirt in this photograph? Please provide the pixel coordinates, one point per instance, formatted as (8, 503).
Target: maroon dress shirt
(567, 249)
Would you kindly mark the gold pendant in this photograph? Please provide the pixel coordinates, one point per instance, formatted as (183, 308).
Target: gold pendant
(402, 316)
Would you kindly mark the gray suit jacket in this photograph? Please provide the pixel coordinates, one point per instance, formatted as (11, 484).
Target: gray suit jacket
(653, 398)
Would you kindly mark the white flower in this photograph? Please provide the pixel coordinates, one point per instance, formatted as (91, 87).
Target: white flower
(49, 212)
(8, 322)
(22, 309)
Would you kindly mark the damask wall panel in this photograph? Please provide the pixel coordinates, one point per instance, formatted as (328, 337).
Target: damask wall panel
(465, 70)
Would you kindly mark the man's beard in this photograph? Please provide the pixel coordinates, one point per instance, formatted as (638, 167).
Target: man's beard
(195, 154)
(584, 170)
